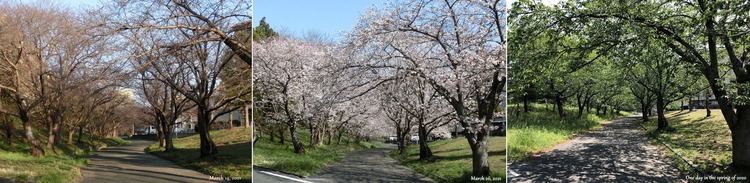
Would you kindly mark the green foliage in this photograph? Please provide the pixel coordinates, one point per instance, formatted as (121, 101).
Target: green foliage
(737, 93)
(451, 161)
(263, 30)
(234, 158)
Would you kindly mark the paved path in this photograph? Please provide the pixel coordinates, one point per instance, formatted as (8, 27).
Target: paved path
(130, 163)
(619, 151)
(369, 165)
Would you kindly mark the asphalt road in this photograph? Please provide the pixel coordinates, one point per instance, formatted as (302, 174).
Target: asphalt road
(619, 151)
(129, 163)
(369, 165)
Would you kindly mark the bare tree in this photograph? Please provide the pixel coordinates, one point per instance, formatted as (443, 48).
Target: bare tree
(219, 20)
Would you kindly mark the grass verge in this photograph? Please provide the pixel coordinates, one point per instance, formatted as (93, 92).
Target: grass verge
(233, 160)
(704, 141)
(451, 161)
(18, 167)
(541, 128)
(281, 157)
(62, 165)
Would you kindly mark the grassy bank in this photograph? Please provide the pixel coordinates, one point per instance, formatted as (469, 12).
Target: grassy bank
(61, 165)
(704, 141)
(541, 128)
(281, 157)
(451, 161)
(234, 158)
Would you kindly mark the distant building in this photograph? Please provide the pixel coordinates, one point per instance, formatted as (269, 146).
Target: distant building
(186, 123)
(700, 102)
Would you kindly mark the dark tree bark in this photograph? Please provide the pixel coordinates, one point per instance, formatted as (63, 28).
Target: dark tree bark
(207, 145)
(424, 149)
(282, 138)
(560, 107)
(270, 132)
(298, 148)
(8, 128)
(36, 146)
(80, 134)
(525, 105)
(707, 103)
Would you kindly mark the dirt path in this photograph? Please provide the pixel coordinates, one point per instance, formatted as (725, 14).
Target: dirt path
(619, 151)
(130, 163)
(370, 165)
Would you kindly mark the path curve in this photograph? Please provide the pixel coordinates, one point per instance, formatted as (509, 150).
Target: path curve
(129, 163)
(619, 151)
(369, 165)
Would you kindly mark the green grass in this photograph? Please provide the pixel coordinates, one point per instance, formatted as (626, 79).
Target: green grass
(233, 160)
(540, 129)
(451, 161)
(20, 167)
(62, 165)
(704, 141)
(281, 157)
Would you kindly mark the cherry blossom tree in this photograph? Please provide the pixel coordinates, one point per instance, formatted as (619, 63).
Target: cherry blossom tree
(456, 47)
(284, 70)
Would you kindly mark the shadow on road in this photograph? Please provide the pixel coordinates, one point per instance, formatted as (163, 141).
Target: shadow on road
(617, 152)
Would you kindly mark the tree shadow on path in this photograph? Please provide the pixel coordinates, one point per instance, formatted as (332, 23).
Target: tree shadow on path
(617, 152)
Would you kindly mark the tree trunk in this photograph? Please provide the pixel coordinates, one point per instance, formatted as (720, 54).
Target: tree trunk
(80, 133)
(160, 133)
(166, 131)
(581, 106)
(313, 134)
(207, 146)
(298, 147)
(341, 133)
(281, 133)
(707, 103)
(424, 149)
(231, 121)
(51, 134)
(36, 146)
(560, 107)
(741, 140)
(399, 139)
(682, 103)
(525, 105)
(330, 136)
(270, 132)
(8, 127)
(644, 112)
(479, 152)
(662, 123)
(247, 116)
(70, 135)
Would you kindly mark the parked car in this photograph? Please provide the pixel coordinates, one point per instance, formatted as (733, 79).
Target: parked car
(392, 139)
(150, 130)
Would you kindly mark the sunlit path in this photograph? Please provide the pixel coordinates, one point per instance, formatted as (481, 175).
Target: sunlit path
(619, 151)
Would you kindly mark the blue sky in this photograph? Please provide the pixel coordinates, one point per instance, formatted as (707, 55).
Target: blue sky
(326, 16)
(79, 3)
